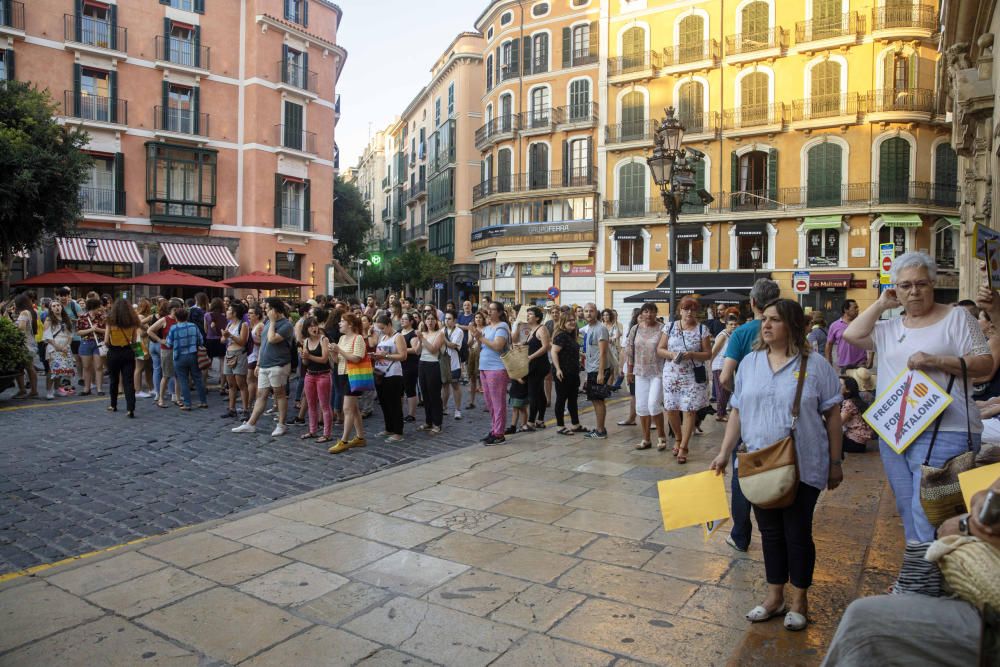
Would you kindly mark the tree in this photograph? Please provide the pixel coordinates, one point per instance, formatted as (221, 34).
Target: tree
(42, 168)
(352, 221)
(417, 268)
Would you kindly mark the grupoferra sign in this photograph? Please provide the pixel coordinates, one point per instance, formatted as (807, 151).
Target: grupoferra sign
(533, 229)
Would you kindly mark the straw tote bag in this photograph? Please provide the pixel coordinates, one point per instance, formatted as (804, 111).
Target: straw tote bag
(769, 477)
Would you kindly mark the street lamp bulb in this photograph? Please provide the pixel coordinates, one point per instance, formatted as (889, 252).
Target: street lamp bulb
(661, 166)
(755, 253)
(553, 258)
(671, 131)
(91, 249)
(290, 255)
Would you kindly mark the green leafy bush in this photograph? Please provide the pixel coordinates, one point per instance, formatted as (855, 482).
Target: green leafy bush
(13, 354)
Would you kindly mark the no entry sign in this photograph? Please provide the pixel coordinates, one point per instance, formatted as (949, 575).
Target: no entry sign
(886, 252)
(800, 282)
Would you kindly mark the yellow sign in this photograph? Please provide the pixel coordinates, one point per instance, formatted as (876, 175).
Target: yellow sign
(976, 480)
(694, 500)
(904, 410)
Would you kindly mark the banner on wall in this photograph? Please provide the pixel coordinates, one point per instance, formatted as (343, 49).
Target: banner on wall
(585, 268)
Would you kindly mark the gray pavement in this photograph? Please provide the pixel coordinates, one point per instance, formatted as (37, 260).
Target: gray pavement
(75, 478)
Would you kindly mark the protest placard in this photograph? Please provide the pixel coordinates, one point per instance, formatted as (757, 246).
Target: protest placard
(902, 412)
(694, 500)
(976, 480)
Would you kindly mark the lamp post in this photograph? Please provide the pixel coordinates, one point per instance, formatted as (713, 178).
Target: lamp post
(673, 171)
(290, 258)
(361, 264)
(554, 261)
(755, 258)
(91, 253)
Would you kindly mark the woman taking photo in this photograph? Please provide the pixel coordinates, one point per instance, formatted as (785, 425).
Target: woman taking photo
(144, 366)
(411, 367)
(932, 338)
(686, 346)
(59, 351)
(431, 343)
(718, 360)
(316, 367)
(351, 348)
(90, 327)
(122, 331)
(566, 357)
(646, 375)
(235, 363)
(538, 366)
(390, 353)
(478, 324)
(761, 415)
(493, 340)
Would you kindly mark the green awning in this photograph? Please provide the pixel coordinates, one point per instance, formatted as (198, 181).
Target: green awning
(822, 222)
(902, 220)
(953, 220)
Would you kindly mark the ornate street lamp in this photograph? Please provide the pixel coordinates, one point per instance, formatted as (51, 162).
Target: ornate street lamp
(755, 258)
(91, 253)
(553, 258)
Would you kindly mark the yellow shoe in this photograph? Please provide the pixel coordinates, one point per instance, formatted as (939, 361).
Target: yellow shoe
(357, 442)
(341, 446)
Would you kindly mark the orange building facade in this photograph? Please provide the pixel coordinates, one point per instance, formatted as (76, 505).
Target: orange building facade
(211, 126)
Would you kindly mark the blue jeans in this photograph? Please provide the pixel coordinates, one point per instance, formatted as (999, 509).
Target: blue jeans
(154, 354)
(903, 471)
(742, 525)
(186, 369)
(337, 396)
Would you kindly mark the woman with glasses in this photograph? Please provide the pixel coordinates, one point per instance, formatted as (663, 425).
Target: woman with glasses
(933, 338)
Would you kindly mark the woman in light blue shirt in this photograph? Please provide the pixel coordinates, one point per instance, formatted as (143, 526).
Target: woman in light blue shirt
(761, 415)
(493, 341)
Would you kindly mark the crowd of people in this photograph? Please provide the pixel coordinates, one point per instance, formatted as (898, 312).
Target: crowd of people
(322, 363)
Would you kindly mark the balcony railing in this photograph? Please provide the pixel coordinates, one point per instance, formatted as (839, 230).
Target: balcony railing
(582, 112)
(910, 16)
(538, 180)
(93, 32)
(386, 182)
(182, 52)
(103, 201)
(638, 62)
(386, 216)
(700, 122)
(419, 188)
(749, 42)
(498, 126)
(414, 233)
(827, 106)
(642, 130)
(690, 53)
(846, 25)
(755, 115)
(539, 119)
(182, 121)
(296, 75)
(579, 58)
(12, 15)
(95, 108)
(294, 219)
(911, 99)
(287, 136)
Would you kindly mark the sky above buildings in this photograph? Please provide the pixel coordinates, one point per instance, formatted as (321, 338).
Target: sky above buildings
(391, 47)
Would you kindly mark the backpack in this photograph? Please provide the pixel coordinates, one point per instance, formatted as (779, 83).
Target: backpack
(463, 352)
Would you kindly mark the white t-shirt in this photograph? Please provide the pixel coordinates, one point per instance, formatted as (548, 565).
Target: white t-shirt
(957, 334)
(456, 336)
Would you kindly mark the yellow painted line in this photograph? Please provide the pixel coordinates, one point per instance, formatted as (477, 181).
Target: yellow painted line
(35, 569)
(53, 404)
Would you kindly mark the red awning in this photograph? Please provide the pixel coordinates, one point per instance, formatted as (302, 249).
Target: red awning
(264, 280)
(112, 251)
(174, 278)
(197, 254)
(66, 276)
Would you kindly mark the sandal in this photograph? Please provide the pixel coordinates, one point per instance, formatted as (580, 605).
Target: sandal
(185, 408)
(323, 438)
(308, 436)
(526, 429)
(539, 424)
(579, 429)
(162, 405)
(625, 422)
(759, 614)
(682, 456)
(645, 444)
(661, 445)
(676, 450)
(565, 431)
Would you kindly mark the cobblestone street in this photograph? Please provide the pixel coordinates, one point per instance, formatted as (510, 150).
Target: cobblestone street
(75, 478)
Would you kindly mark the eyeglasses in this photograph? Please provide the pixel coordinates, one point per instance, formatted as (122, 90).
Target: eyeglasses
(915, 286)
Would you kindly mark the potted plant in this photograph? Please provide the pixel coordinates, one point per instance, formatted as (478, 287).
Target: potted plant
(13, 354)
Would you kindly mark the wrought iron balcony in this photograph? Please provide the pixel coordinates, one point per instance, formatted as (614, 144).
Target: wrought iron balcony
(182, 52)
(751, 116)
(95, 108)
(827, 106)
(585, 112)
(910, 99)
(12, 15)
(761, 40)
(910, 16)
(620, 133)
(386, 215)
(288, 136)
(181, 121)
(579, 58)
(848, 24)
(414, 233)
(102, 201)
(297, 76)
(700, 122)
(630, 64)
(93, 32)
(496, 129)
(539, 120)
(538, 180)
(683, 54)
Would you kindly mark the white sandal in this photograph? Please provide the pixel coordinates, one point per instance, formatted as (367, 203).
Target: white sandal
(795, 621)
(759, 614)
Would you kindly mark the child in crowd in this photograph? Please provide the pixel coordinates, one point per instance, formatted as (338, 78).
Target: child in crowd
(518, 393)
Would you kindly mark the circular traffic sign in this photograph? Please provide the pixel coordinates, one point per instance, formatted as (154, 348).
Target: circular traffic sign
(801, 286)
(886, 264)
(553, 292)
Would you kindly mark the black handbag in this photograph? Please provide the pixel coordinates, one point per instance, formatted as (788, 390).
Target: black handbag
(700, 374)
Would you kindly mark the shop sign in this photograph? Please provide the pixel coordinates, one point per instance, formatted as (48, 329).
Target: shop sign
(586, 268)
(534, 229)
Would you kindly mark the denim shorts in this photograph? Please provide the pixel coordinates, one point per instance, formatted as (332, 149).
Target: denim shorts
(88, 348)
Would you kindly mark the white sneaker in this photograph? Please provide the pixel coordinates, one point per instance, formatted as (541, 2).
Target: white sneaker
(458, 414)
(245, 427)
(49, 396)
(155, 395)
(143, 394)
(278, 430)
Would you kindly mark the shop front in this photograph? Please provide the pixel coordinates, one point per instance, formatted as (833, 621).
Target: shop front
(827, 293)
(202, 260)
(116, 258)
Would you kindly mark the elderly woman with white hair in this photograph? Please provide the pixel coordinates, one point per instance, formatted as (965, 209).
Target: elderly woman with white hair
(933, 338)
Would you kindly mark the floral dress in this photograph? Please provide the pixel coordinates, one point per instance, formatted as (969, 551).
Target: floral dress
(680, 391)
(61, 364)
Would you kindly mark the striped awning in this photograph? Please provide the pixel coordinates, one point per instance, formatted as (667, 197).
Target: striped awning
(110, 251)
(196, 254)
(822, 222)
(952, 220)
(901, 220)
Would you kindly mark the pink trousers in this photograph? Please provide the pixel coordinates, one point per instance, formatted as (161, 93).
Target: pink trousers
(318, 398)
(495, 392)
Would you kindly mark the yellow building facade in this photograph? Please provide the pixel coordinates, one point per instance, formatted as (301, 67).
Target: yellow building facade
(821, 138)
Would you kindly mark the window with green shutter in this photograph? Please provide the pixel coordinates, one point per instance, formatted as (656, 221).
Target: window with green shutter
(293, 126)
(826, 18)
(633, 116)
(824, 88)
(632, 190)
(894, 171)
(754, 99)
(945, 175)
(538, 162)
(824, 173)
(691, 106)
(579, 100)
(756, 25)
(633, 49)
(503, 170)
(691, 34)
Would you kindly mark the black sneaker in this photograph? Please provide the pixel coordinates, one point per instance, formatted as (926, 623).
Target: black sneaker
(511, 430)
(409, 418)
(494, 440)
(228, 414)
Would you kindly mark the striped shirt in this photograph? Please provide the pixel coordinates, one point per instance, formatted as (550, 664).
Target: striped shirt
(184, 338)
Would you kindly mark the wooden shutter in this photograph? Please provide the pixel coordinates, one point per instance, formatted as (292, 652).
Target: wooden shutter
(894, 170)
(565, 162)
(691, 105)
(756, 23)
(167, 25)
(824, 88)
(195, 106)
(8, 62)
(119, 193)
(945, 175)
(307, 205)
(489, 73)
(823, 176)
(197, 46)
(567, 47)
(76, 89)
(113, 94)
(165, 109)
(278, 181)
(632, 190)
(113, 12)
(827, 18)
(526, 69)
(589, 175)
(594, 48)
(199, 6)
(503, 170)
(304, 59)
(305, 13)
(496, 67)
(541, 55)
(734, 172)
(515, 59)
(633, 45)
(633, 116)
(772, 175)
(78, 21)
(691, 33)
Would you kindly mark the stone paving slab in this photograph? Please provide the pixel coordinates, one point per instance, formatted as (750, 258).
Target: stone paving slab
(563, 562)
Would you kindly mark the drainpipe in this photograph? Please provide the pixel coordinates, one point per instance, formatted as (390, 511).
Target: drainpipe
(722, 106)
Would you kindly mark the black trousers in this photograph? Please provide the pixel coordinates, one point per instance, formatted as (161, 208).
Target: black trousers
(536, 393)
(430, 389)
(786, 538)
(567, 390)
(390, 397)
(121, 361)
